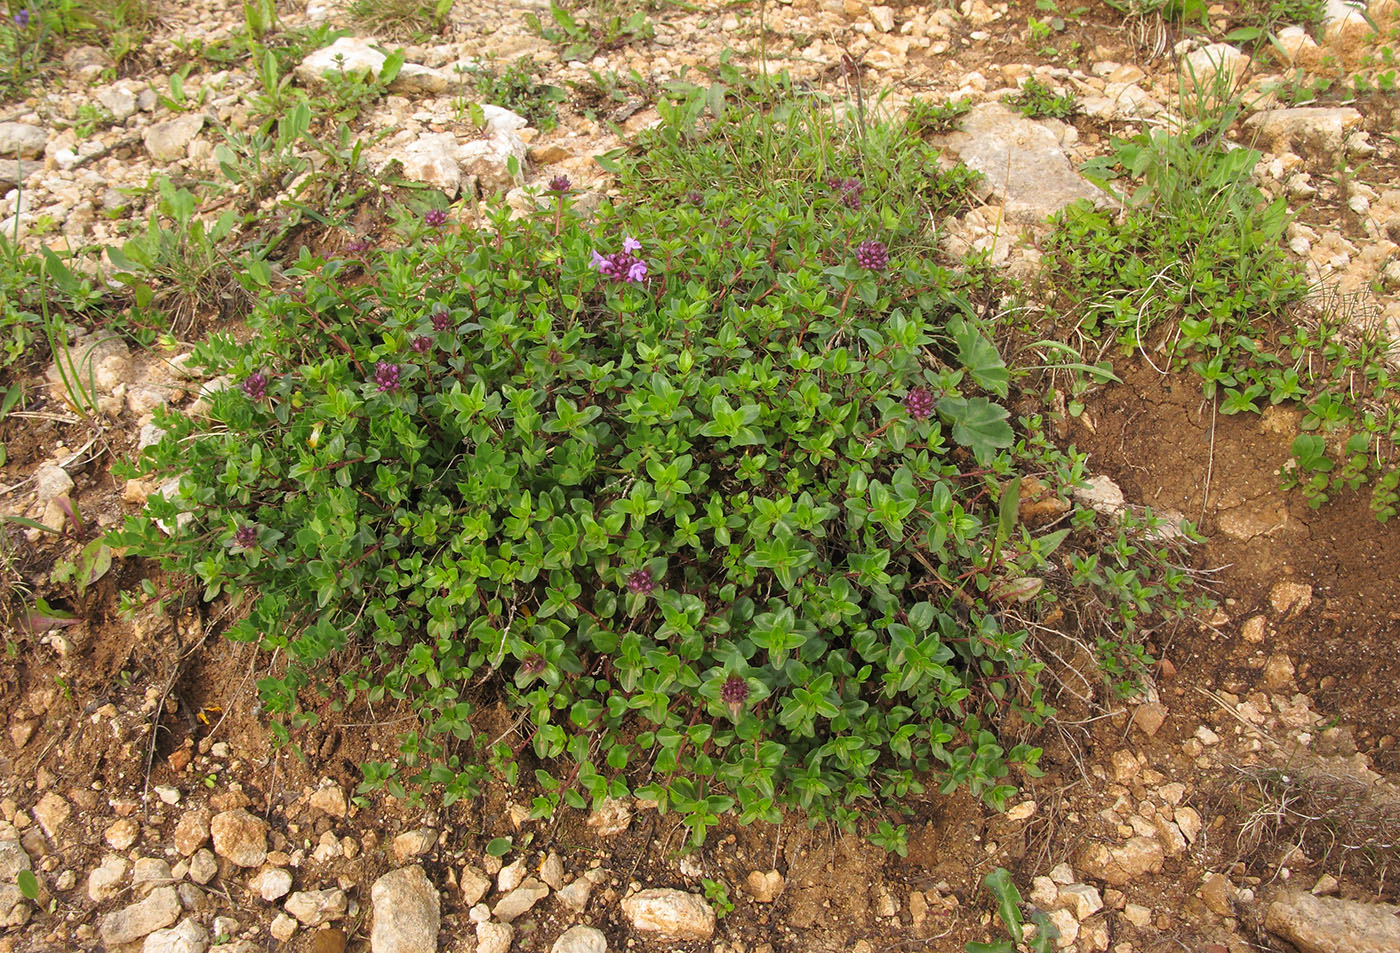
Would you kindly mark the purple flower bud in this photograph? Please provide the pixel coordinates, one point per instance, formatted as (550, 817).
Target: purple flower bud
(246, 537)
(386, 375)
(357, 246)
(919, 403)
(421, 344)
(255, 385)
(435, 218)
(22, 18)
(694, 197)
(734, 692)
(641, 582)
(560, 183)
(872, 255)
(442, 319)
(532, 664)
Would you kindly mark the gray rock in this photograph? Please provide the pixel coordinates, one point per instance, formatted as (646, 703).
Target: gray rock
(1331, 925)
(188, 937)
(489, 159)
(1022, 162)
(432, 160)
(670, 914)
(407, 912)
(106, 879)
(315, 907)
(13, 172)
(1304, 129)
(167, 141)
(1102, 494)
(119, 99)
(239, 838)
(519, 900)
(15, 910)
(493, 937)
(20, 139)
(13, 857)
(581, 939)
(140, 919)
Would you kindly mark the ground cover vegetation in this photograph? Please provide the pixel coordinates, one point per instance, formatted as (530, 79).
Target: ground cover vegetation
(718, 488)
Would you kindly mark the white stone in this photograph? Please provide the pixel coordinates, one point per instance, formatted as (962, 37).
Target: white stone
(315, 907)
(105, 881)
(352, 54)
(407, 912)
(22, 140)
(271, 883)
(135, 921)
(581, 939)
(1082, 900)
(492, 937)
(188, 937)
(670, 914)
(519, 900)
(168, 141)
(473, 884)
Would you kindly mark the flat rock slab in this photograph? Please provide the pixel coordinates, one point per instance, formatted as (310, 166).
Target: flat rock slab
(1331, 925)
(1022, 162)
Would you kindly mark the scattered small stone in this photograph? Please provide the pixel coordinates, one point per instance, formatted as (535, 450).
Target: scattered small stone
(1326, 886)
(1138, 915)
(474, 885)
(271, 883)
(188, 937)
(1189, 822)
(315, 907)
(149, 872)
(1290, 599)
(575, 894)
(283, 927)
(511, 876)
(1062, 874)
(764, 886)
(1119, 865)
(1254, 629)
(490, 938)
(1149, 717)
(670, 914)
(1045, 893)
(1217, 893)
(168, 141)
(407, 912)
(1278, 671)
(552, 871)
(1082, 900)
(330, 800)
(160, 909)
(203, 866)
(581, 939)
(52, 813)
(1206, 737)
(106, 880)
(611, 818)
(21, 139)
(192, 832)
(519, 900)
(413, 844)
(122, 834)
(1067, 926)
(239, 838)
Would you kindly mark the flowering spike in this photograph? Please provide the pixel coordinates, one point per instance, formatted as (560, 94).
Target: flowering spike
(872, 255)
(435, 218)
(919, 403)
(641, 582)
(255, 385)
(386, 375)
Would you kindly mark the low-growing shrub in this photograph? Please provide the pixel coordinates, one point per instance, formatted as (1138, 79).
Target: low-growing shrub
(719, 495)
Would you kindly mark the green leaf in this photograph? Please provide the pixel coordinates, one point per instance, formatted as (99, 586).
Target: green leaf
(1008, 900)
(28, 884)
(978, 424)
(499, 847)
(980, 357)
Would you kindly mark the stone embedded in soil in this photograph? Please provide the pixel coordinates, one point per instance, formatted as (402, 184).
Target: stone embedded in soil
(239, 837)
(413, 844)
(1304, 129)
(129, 924)
(519, 900)
(407, 912)
(121, 834)
(107, 878)
(283, 927)
(1022, 161)
(1082, 900)
(203, 866)
(1100, 493)
(575, 894)
(670, 914)
(1330, 925)
(764, 886)
(474, 885)
(1138, 915)
(511, 876)
(271, 883)
(1218, 894)
(169, 141)
(1149, 718)
(188, 937)
(52, 813)
(21, 139)
(1119, 865)
(1254, 629)
(329, 800)
(612, 818)
(490, 937)
(192, 832)
(552, 871)
(581, 939)
(149, 872)
(1290, 599)
(50, 482)
(315, 907)
(1067, 926)
(1199, 68)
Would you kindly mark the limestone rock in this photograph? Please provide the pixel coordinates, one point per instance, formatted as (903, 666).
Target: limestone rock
(191, 832)
(239, 837)
(129, 924)
(511, 876)
(271, 883)
(22, 140)
(613, 817)
(203, 866)
(474, 885)
(52, 813)
(575, 894)
(329, 800)
(1304, 129)
(1082, 900)
(670, 914)
(168, 141)
(764, 887)
(1102, 494)
(432, 160)
(413, 844)
(188, 937)
(1331, 925)
(407, 912)
(106, 879)
(491, 937)
(1346, 30)
(1022, 161)
(1200, 68)
(352, 54)
(1119, 865)
(581, 939)
(552, 871)
(315, 907)
(519, 900)
(489, 160)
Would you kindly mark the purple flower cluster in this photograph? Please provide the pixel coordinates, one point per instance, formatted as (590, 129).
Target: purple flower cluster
(734, 692)
(421, 344)
(850, 189)
(622, 265)
(386, 375)
(246, 537)
(560, 184)
(442, 319)
(435, 218)
(919, 403)
(357, 246)
(255, 385)
(22, 18)
(872, 255)
(640, 582)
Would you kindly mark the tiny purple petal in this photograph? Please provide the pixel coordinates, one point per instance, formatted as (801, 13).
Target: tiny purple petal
(631, 244)
(246, 537)
(637, 272)
(599, 262)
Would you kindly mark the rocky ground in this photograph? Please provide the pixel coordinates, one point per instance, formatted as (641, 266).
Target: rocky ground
(1244, 800)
